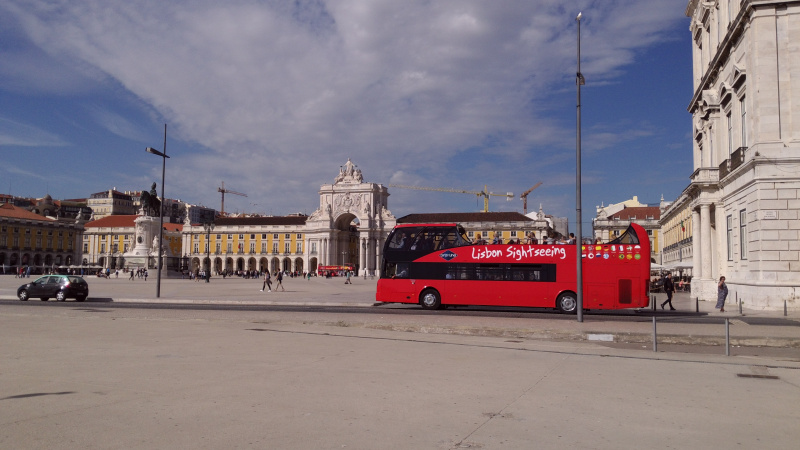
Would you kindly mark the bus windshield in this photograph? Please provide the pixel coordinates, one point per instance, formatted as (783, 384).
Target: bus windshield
(427, 239)
(628, 237)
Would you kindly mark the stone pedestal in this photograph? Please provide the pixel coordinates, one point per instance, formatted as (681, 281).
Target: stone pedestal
(145, 250)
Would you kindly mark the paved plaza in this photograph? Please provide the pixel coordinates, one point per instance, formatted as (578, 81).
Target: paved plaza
(89, 376)
(753, 328)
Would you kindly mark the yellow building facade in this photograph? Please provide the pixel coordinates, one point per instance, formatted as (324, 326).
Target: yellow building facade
(41, 243)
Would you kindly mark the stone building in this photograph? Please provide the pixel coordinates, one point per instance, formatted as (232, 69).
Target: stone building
(349, 227)
(111, 202)
(42, 243)
(744, 191)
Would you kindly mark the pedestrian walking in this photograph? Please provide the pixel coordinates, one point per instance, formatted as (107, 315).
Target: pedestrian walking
(722, 294)
(132, 273)
(279, 277)
(145, 274)
(267, 282)
(669, 288)
(347, 281)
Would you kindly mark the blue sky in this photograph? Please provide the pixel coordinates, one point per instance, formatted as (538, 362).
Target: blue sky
(271, 97)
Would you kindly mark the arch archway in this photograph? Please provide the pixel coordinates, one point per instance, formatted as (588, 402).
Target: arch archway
(298, 265)
(263, 264)
(274, 265)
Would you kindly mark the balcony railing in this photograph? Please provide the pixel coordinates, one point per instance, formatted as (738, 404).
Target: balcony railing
(737, 158)
(724, 168)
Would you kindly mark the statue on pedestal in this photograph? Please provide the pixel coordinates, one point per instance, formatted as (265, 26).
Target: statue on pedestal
(151, 205)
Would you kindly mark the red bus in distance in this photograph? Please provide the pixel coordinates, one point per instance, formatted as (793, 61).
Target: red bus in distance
(436, 265)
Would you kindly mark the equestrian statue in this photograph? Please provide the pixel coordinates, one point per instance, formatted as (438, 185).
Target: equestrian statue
(151, 205)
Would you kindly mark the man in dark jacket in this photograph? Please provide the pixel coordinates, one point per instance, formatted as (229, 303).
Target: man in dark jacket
(669, 288)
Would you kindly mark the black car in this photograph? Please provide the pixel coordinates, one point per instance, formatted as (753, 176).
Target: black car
(59, 286)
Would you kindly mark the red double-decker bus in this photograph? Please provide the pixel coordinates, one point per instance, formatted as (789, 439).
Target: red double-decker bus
(436, 265)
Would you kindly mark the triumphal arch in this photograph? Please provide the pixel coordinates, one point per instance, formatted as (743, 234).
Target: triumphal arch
(346, 205)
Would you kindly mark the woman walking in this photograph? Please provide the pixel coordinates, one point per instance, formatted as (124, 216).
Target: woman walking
(279, 277)
(267, 282)
(722, 294)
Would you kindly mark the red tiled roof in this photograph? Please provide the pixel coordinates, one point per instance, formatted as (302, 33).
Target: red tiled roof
(465, 217)
(116, 221)
(638, 212)
(13, 212)
(123, 220)
(173, 226)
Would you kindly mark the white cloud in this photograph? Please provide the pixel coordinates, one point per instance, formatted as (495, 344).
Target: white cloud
(276, 88)
(23, 135)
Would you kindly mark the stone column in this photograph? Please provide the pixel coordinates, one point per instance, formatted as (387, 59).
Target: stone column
(377, 258)
(705, 241)
(697, 253)
(362, 257)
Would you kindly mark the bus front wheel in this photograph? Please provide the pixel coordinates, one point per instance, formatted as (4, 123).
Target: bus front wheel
(430, 299)
(567, 303)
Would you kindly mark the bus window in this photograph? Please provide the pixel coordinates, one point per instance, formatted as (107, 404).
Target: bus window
(395, 270)
(403, 238)
(628, 237)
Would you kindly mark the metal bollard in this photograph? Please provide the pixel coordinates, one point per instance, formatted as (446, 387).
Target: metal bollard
(727, 337)
(697, 304)
(740, 303)
(784, 308)
(655, 336)
(653, 302)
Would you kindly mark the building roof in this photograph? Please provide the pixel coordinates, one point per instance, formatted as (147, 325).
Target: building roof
(126, 220)
(465, 217)
(272, 220)
(638, 213)
(7, 210)
(173, 226)
(116, 221)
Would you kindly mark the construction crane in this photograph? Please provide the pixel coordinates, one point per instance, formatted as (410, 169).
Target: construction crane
(524, 198)
(224, 191)
(484, 193)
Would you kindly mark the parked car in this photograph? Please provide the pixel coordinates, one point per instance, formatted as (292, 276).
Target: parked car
(61, 287)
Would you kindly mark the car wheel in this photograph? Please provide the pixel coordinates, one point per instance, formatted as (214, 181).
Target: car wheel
(61, 296)
(80, 299)
(23, 295)
(430, 299)
(567, 303)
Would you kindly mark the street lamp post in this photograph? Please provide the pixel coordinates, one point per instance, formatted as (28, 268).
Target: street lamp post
(164, 157)
(579, 81)
(208, 226)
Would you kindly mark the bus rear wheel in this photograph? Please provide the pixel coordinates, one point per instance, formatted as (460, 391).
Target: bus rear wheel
(567, 303)
(430, 299)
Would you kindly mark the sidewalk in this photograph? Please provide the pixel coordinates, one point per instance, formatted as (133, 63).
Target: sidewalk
(685, 326)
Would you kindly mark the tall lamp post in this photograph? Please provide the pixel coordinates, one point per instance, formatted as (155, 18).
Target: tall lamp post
(208, 226)
(579, 81)
(164, 157)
